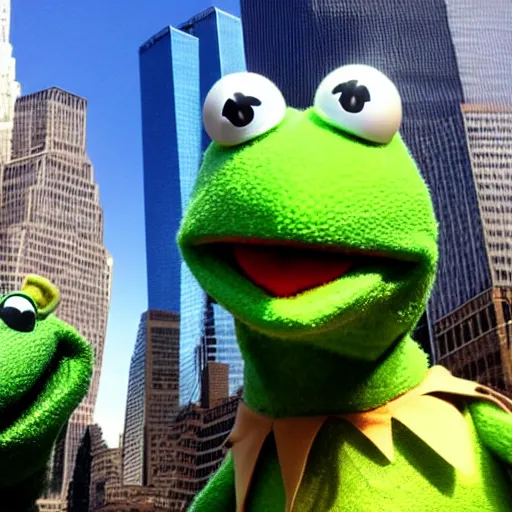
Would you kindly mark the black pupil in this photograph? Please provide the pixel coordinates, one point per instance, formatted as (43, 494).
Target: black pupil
(239, 111)
(23, 321)
(353, 96)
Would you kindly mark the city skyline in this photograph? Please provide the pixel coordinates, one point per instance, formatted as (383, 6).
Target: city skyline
(52, 49)
(176, 463)
(43, 60)
(453, 124)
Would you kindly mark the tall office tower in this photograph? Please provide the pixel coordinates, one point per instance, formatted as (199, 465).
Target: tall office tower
(482, 39)
(152, 400)
(474, 339)
(51, 223)
(411, 43)
(9, 88)
(177, 68)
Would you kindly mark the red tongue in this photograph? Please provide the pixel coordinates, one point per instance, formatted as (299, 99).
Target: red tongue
(286, 271)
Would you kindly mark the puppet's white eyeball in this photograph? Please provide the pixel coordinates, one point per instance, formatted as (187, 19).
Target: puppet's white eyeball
(361, 101)
(18, 313)
(241, 107)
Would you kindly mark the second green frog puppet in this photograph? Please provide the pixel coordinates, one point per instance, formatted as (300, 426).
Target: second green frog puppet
(45, 370)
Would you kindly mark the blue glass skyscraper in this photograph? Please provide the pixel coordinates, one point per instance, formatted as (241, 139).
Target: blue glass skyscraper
(178, 66)
(171, 138)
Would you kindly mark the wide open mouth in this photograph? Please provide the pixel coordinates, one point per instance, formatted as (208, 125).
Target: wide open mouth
(287, 269)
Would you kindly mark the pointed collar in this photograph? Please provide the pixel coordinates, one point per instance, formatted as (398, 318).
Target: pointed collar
(425, 414)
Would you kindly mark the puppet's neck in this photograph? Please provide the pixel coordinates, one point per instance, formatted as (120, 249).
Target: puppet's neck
(283, 378)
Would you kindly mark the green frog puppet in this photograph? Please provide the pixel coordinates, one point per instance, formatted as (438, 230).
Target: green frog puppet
(316, 231)
(45, 369)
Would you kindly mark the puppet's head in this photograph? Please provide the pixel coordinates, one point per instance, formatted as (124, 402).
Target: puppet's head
(45, 369)
(313, 226)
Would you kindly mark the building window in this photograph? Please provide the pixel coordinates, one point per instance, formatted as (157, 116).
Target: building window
(484, 321)
(466, 332)
(492, 317)
(506, 311)
(450, 341)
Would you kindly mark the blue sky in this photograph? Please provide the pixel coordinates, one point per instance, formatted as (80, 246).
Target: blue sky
(90, 48)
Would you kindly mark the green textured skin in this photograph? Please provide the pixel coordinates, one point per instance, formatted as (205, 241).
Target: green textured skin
(346, 473)
(45, 374)
(345, 346)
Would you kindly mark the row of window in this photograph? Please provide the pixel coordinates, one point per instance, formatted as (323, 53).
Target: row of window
(498, 208)
(481, 370)
(498, 123)
(497, 220)
(164, 385)
(495, 198)
(163, 316)
(465, 332)
(218, 428)
(500, 246)
(500, 233)
(503, 276)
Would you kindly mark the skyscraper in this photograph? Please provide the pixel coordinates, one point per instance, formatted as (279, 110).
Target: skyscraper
(152, 400)
(51, 223)
(482, 40)
(133, 433)
(412, 43)
(9, 88)
(474, 340)
(177, 68)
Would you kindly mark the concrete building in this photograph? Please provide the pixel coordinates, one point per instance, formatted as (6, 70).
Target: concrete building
(191, 447)
(198, 436)
(96, 485)
(178, 66)
(152, 401)
(97, 466)
(474, 339)
(9, 88)
(105, 472)
(133, 498)
(51, 223)
(438, 60)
